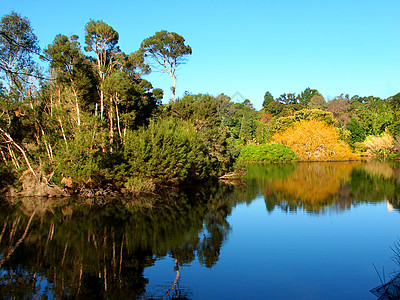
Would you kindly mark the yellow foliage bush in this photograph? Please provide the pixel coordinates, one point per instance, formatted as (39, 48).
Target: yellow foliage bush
(378, 144)
(315, 141)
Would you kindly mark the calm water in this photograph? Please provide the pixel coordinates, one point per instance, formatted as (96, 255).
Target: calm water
(304, 231)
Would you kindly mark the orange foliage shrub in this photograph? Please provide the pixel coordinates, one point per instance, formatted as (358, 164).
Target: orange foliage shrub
(315, 140)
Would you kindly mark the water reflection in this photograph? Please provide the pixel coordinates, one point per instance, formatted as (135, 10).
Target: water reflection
(85, 249)
(100, 247)
(326, 187)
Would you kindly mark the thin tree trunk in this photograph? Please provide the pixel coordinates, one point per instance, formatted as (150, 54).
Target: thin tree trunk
(3, 156)
(10, 139)
(51, 104)
(173, 88)
(62, 131)
(120, 258)
(13, 158)
(101, 104)
(4, 229)
(118, 120)
(65, 251)
(48, 147)
(77, 107)
(111, 121)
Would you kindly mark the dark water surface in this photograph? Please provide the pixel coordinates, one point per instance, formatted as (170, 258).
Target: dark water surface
(303, 231)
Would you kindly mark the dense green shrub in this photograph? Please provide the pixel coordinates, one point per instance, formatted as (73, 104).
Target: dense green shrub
(81, 159)
(212, 120)
(267, 153)
(357, 134)
(167, 152)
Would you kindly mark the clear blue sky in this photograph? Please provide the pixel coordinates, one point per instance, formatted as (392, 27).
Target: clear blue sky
(250, 47)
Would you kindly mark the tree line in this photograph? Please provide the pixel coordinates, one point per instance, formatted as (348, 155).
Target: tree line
(92, 122)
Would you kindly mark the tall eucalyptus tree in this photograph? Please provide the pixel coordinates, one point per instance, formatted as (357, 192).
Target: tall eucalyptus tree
(166, 51)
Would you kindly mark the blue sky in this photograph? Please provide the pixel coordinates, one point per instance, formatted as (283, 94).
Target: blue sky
(249, 47)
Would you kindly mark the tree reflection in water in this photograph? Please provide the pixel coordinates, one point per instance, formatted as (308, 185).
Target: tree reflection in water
(69, 248)
(326, 187)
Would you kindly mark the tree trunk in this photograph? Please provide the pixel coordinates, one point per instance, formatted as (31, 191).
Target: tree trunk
(117, 113)
(173, 88)
(101, 104)
(111, 122)
(62, 131)
(78, 115)
(10, 139)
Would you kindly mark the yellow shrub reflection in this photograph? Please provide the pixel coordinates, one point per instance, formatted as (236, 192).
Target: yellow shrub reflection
(378, 168)
(315, 183)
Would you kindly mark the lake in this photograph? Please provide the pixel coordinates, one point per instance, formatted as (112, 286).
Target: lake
(304, 231)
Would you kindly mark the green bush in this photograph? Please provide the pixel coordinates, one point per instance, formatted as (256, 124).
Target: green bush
(168, 152)
(267, 153)
(357, 132)
(82, 158)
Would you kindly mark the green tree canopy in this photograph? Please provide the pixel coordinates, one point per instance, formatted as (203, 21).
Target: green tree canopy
(17, 44)
(268, 99)
(166, 51)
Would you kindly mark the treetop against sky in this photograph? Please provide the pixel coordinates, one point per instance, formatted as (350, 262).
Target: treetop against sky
(248, 47)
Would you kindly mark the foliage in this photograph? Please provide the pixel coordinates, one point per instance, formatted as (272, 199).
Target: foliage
(357, 134)
(88, 122)
(267, 153)
(381, 145)
(317, 102)
(268, 99)
(80, 159)
(281, 124)
(166, 50)
(314, 140)
(307, 95)
(339, 107)
(17, 43)
(169, 152)
(209, 117)
(373, 113)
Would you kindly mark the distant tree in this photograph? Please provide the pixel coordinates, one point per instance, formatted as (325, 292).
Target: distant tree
(306, 96)
(290, 98)
(317, 101)
(274, 108)
(18, 119)
(166, 51)
(17, 44)
(101, 39)
(339, 107)
(357, 132)
(268, 99)
(374, 114)
(395, 101)
(71, 68)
